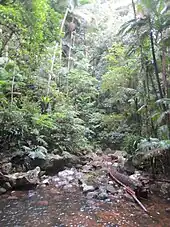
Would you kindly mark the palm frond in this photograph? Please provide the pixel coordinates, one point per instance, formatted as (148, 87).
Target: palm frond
(132, 25)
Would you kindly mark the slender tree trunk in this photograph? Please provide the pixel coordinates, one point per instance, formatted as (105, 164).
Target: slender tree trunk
(51, 69)
(164, 74)
(61, 31)
(155, 62)
(54, 55)
(153, 86)
(138, 35)
(12, 87)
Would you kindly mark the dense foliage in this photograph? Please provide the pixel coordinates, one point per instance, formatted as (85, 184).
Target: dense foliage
(51, 97)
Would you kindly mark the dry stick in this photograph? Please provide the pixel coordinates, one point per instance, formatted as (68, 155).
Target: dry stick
(129, 190)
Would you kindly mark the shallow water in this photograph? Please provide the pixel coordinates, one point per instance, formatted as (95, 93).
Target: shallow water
(54, 207)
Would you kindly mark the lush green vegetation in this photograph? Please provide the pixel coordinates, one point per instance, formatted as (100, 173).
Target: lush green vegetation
(50, 96)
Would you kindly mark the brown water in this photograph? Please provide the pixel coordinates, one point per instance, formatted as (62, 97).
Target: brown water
(54, 207)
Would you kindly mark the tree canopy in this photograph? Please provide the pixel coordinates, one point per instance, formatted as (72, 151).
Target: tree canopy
(61, 87)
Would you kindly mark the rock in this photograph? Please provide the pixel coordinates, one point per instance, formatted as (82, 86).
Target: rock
(68, 186)
(128, 197)
(12, 197)
(108, 151)
(99, 152)
(61, 183)
(111, 189)
(78, 166)
(128, 167)
(116, 164)
(55, 179)
(43, 203)
(30, 159)
(67, 175)
(46, 182)
(143, 160)
(64, 174)
(88, 188)
(135, 178)
(54, 163)
(70, 158)
(7, 185)
(91, 195)
(165, 189)
(6, 168)
(42, 186)
(102, 196)
(20, 179)
(2, 190)
(167, 209)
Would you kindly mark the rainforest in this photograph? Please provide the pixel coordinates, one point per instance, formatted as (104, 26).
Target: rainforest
(84, 113)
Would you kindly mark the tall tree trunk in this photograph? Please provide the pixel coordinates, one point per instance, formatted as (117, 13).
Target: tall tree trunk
(12, 87)
(164, 75)
(61, 31)
(153, 86)
(155, 62)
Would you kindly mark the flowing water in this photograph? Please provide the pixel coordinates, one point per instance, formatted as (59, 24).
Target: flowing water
(56, 207)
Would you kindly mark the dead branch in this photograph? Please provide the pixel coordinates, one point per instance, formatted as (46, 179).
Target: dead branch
(128, 190)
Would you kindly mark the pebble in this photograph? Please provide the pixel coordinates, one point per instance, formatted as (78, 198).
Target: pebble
(68, 186)
(88, 188)
(12, 197)
(167, 209)
(111, 189)
(102, 196)
(2, 190)
(46, 181)
(43, 203)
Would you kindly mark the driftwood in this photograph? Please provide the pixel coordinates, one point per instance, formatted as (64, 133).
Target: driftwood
(125, 182)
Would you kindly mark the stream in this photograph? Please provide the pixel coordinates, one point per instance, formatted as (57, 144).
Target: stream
(57, 207)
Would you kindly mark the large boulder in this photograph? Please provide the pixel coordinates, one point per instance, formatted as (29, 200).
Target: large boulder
(22, 179)
(70, 159)
(53, 163)
(156, 161)
(29, 159)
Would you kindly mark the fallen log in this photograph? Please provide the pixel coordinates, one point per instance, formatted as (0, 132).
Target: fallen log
(114, 174)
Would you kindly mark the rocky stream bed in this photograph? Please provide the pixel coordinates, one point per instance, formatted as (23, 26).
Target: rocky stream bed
(81, 193)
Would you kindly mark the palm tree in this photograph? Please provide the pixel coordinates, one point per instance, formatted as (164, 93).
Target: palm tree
(152, 23)
(151, 20)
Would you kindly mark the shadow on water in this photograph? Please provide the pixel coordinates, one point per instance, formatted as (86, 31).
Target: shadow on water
(51, 206)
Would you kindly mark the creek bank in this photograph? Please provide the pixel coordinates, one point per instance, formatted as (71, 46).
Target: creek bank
(24, 161)
(89, 173)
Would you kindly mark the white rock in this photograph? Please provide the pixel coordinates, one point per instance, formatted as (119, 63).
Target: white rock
(65, 173)
(46, 181)
(88, 188)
